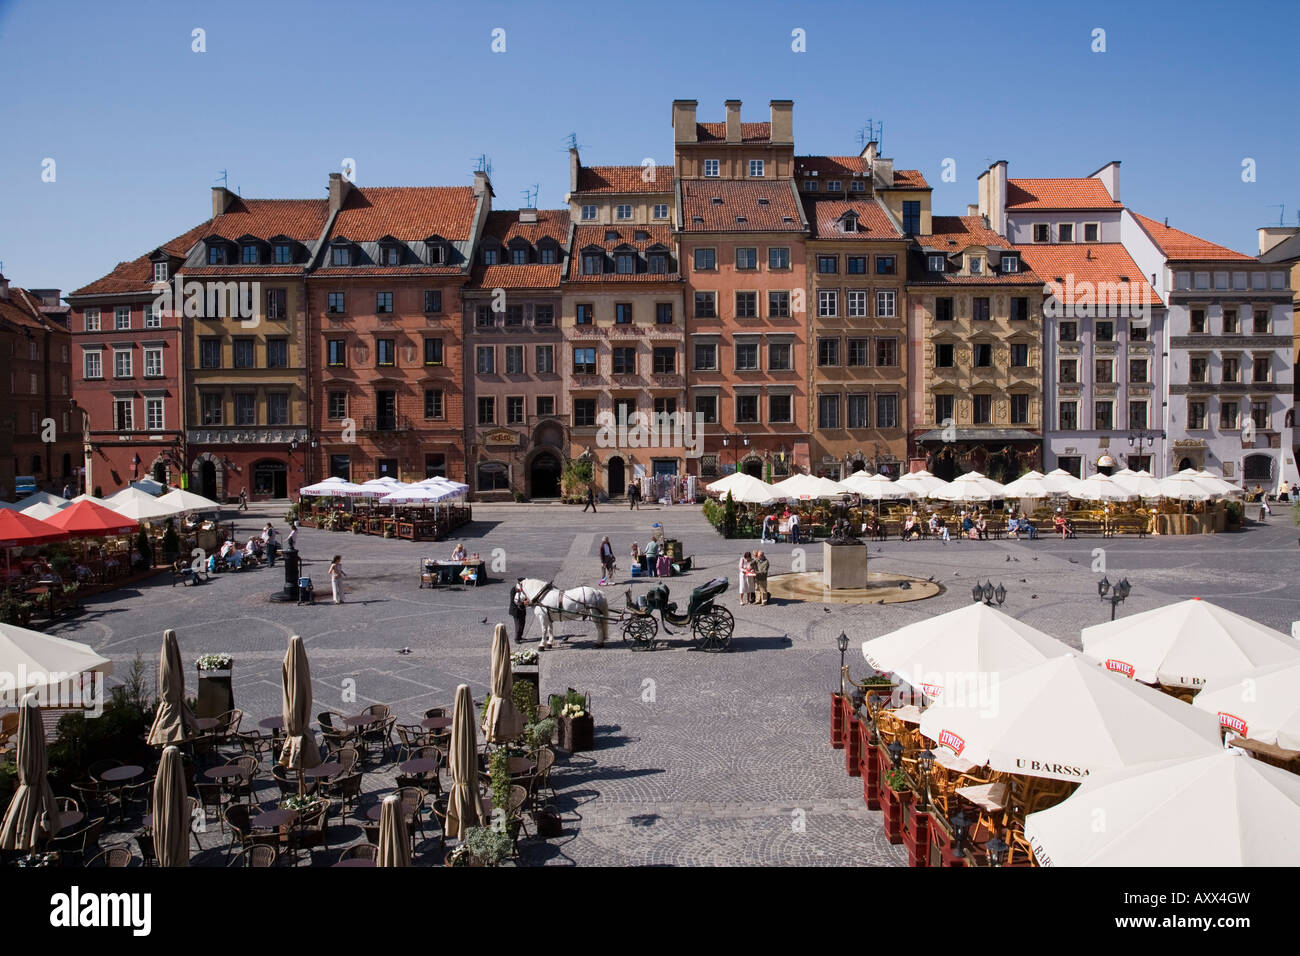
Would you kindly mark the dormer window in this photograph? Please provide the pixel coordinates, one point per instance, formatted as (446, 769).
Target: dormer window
(490, 256)
(976, 265)
(810, 185)
(283, 253)
(935, 263)
(160, 272)
(251, 255)
(640, 235)
(741, 220)
(1010, 263)
(611, 235)
(593, 262)
(858, 186)
(658, 263)
(216, 255)
(547, 255)
(764, 202)
(340, 256)
(391, 256)
(834, 186)
(849, 223)
(437, 253)
(697, 220)
(716, 200)
(625, 263)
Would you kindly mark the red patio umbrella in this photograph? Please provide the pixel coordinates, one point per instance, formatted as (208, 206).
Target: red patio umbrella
(87, 519)
(18, 530)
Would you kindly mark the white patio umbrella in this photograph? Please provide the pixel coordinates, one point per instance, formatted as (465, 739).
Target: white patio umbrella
(41, 510)
(378, 487)
(1100, 487)
(875, 487)
(1263, 704)
(922, 484)
(971, 486)
(1059, 481)
(807, 487)
(148, 486)
(1141, 483)
(961, 651)
(189, 501)
(53, 668)
(1186, 486)
(1216, 810)
(1186, 644)
(1217, 484)
(440, 479)
(1028, 485)
(40, 498)
(417, 495)
(1067, 719)
(139, 505)
(743, 488)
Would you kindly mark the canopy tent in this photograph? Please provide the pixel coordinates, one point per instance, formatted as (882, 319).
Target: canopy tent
(42, 511)
(40, 498)
(1216, 810)
(1186, 644)
(743, 488)
(808, 487)
(189, 501)
(1059, 481)
(875, 487)
(1100, 487)
(50, 667)
(139, 505)
(18, 530)
(88, 519)
(966, 646)
(1028, 485)
(922, 484)
(1067, 719)
(971, 486)
(1263, 704)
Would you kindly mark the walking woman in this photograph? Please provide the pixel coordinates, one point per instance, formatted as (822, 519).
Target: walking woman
(337, 575)
(747, 579)
(606, 561)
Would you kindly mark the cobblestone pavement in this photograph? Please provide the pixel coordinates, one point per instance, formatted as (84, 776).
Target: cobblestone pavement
(701, 758)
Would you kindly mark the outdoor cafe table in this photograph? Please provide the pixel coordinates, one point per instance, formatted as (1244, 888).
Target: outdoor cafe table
(362, 720)
(355, 861)
(69, 819)
(272, 819)
(206, 723)
(436, 723)
(273, 724)
(121, 776)
(419, 766)
(326, 771)
(224, 773)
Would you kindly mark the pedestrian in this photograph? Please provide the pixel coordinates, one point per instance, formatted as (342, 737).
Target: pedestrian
(606, 561)
(769, 525)
(1264, 509)
(591, 499)
(67, 490)
(747, 577)
(1283, 492)
(652, 557)
(518, 611)
(761, 567)
(634, 497)
(272, 546)
(292, 540)
(243, 500)
(337, 575)
(794, 527)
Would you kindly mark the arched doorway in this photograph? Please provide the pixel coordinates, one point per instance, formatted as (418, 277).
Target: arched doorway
(160, 472)
(753, 467)
(1185, 464)
(208, 479)
(544, 476)
(617, 482)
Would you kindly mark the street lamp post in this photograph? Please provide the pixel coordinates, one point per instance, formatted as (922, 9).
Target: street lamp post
(735, 442)
(1141, 440)
(990, 595)
(842, 642)
(1117, 593)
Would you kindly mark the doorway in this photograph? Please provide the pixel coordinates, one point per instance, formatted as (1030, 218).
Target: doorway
(208, 480)
(1186, 465)
(617, 478)
(753, 467)
(270, 479)
(544, 476)
(159, 472)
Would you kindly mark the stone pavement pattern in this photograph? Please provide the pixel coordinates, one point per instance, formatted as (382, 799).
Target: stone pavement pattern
(701, 758)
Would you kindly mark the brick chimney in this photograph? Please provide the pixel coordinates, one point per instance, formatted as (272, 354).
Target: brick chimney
(993, 196)
(574, 165)
(4, 289)
(221, 200)
(782, 115)
(684, 121)
(340, 188)
(733, 121)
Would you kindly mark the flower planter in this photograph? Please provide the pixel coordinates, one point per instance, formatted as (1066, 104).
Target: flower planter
(867, 766)
(578, 733)
(916, 836)
(895, 803)
(528, 673)
(837, 720)
(942, 850)
(215, 694)
(852, 747)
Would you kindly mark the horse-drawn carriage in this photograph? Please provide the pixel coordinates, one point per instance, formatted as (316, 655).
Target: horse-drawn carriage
(711, 625)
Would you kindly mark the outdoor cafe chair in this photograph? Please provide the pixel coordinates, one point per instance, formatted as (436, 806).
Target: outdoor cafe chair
(242, 786)
(360, 851)
(256, 744)
(114, 857)
(66, 804)
(540, 778)
(336, 735)
(413, 799)
(214, 796)
(346, 788)
(410, 737)
(238, 818)
(93, 796)
(144, 840)
(136, 794)
(228, 726)
(310, 830)
(99, 766)
(287, 780)
(515, 811)
(256, 855)
(346, 758)
(82, 843)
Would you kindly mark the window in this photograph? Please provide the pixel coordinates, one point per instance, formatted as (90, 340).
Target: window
(1261, 321)
(213, 408)
(623, 313)
(1259, 415)
(485, 360)
(828, 351)
(243, 352)
(1019, 409)
(487, 410)
(623, 361)
(857, 186)
(153, 414)
(935, 263)
(584, 412)
(746, 356)
(778, 305)
(886, 265)
(828, 411)
(383, 302)
(859, 353)
(1197, 323)
(514, 360)
(780, 408)
(886, 411)
(810, 185)
(1262, 371)
(1069, 332)
(152, 320)
(584, 313)
(756, 167)
(283, 254)
(778, 258)
(514, 316)
(827, 265)
(153, 363)
(1228, 413)
(385, 352)
(519, 256)
(828, 303)
(245, 408)
(337, 353)
(1230, 324)
(886, 304)
(982, 409)
(92, 320)
(484, 317)
(943, 309)
(705, 260)
(886, 352)
(1069, 371)
(337, 407)
(856, 300)
(1137, 371)
(712, 167)
(1137, 414)
(1137, 333)
(663, 313)
(706, 406)
(1010, 264)
(335, 303)
(1196, 413)
(625, 264)
(855, 265)
(123, 415)
(121, 363)
(746, 258)
(982, 353)
(433, 351)
(515, 410)
(1065, 232)
(433, 300)
(340, 256)
(277, 303)
(664, 360)
(746, 409)
(251, 255)
(217, 256)
(1019, 308)
(657, 263)
(547, 255)
(980, 308)
(593, 263)
(706, 356)
(660, 210)
(545, 405)
(584, 361)
(943, 355)
(943, 408)
(1019, 354)
(706, 305)
(1196, 368)
(544, 357)
(1068, 416)
(746, 305)
(1103, 415)
(1104, 371)
(93, 363)
(1041, 233)
(779, 357)
(1231, 368)
(976, 265)
(588, 212)
(858, 411)
(911, 217)
(543, 315)
(490, 256)
(160, 272)
(277, 408)
(122, 317)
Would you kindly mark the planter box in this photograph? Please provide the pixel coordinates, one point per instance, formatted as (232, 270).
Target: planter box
(867, 766)
(530, 674)
(215, 694)
(916, 837)
(852, 747)
(837, 720)
(895, 804)
(578, 733)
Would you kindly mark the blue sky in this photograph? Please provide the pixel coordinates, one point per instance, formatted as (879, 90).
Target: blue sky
(139, 125)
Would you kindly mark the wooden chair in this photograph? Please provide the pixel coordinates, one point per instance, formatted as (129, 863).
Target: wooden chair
(238, 817)
(243, 786)
(515, 812)
(256, 855)
(410, 738)
(360, 851)
(114, 856)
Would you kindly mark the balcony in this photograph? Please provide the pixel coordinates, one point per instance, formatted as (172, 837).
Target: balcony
(385, 423)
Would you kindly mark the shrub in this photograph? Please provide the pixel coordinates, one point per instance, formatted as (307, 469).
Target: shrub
(524, 696)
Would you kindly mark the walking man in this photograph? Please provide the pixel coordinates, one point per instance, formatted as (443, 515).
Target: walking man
(591, 499)
(518, 612)
(761, 567)
(634, 497)
(794, 527)
(243, 500)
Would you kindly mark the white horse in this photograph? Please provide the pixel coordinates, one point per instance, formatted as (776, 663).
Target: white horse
(551, 604)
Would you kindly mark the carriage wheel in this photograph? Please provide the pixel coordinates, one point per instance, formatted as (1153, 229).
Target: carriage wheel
(640, 631)
(714, 628)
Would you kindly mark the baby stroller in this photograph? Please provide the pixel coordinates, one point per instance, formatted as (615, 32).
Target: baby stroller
(306, 593)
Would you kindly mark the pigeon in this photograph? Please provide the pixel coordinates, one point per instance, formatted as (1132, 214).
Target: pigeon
(1024, 580)
(484, 620)
(1072, 561)
(1035, 559)
(930, 578)
(1035, 596)
(404, 650)
(905, 586)
(1008, 557)
(827, 610)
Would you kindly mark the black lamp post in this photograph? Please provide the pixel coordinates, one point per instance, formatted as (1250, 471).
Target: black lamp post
(895, 753)
(1118, 592)
(995, 848)
(842, 642)
(988, 593)
(960, 821)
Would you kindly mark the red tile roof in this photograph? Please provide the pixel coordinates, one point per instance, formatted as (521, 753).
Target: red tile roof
(910, 179)
(408, 213)
(533, 276)
(624, 179)
(952, 234)
(1065, 193)
(1177, 244)
(23, 310)
(301, 219)
(824, 216)
(137, 275)
(1089, 262)
(779, 212)
(505, 225)
(845, 166)
(749, 132)
(585, 236)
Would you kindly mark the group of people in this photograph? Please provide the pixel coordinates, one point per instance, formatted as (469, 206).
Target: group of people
(787, 524)
(259, 547)
(754, 567)
(658, 562)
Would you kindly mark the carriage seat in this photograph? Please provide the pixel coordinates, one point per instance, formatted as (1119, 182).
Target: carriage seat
(706, 592)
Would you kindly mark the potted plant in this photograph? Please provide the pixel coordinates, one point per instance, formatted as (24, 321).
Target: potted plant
(577, 726)
(216, 695)
(896, 796)
(482, 846)
(540, 734)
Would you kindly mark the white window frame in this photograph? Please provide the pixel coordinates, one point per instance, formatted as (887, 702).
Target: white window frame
(660, 210)
(834, 186)
(152, 353)
(756, 168)
(130, 363)
(127, 421)
(936, 263)
(160, 272)
(152, 320)
(118, 324)
(1084, 232)
(1010, 264)
(886, 304)
(588, 212)
(92, 320)
(623, 211)
(828, 298)
(857, 186)
(149, 405)
(1047, 231)
(1065, 225)
(98, 355)
(712, 168)
(856, 303)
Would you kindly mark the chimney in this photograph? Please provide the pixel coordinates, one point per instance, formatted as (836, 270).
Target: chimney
(528, 215)
(574, 165)
(733, 121)
(481, 183)
(869, 152)
(339, 190)
(221, 200)
(884, 169)
(1270, 236)
(973, 209)
(684, 121)
(4, 289)
(997, 197)
(1109, 176)
(782, 115)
